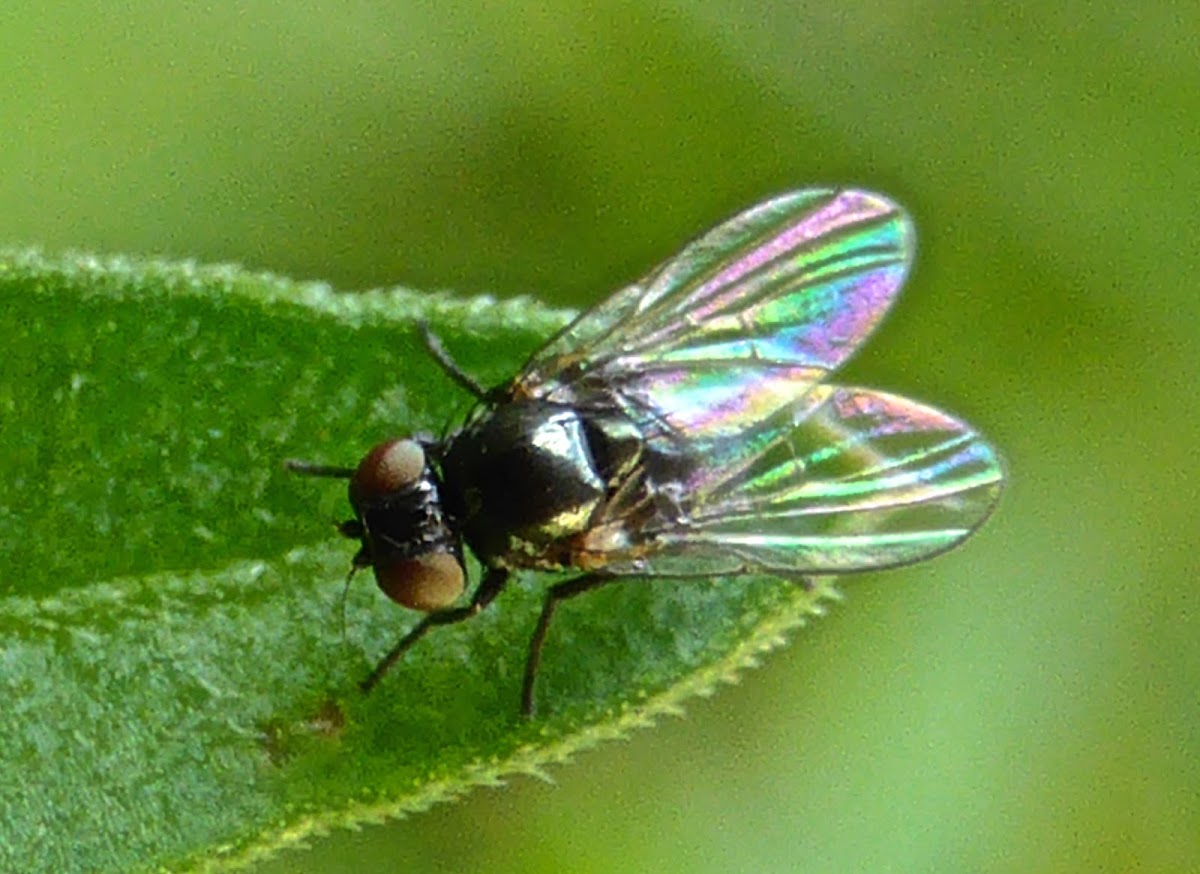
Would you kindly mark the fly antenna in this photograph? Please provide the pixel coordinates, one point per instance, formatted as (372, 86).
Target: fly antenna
(307, 468)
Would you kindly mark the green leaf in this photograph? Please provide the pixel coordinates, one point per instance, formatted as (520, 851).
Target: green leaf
(180, 685)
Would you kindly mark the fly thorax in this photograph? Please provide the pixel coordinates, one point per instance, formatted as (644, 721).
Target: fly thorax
(523, 479)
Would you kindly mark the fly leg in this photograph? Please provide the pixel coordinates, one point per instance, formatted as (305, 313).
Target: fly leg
(558, 592)
(491, 586)
(449, 366)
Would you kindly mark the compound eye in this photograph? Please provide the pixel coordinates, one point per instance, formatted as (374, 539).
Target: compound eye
(387, 468)
(425, 582)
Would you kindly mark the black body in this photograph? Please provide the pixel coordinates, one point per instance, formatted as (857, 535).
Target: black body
(526, 479)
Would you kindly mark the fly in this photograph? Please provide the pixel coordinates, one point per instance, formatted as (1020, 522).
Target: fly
(683, 428)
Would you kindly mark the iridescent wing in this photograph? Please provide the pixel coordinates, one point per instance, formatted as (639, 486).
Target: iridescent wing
(843, 479)
(724, 333)
(751, 463)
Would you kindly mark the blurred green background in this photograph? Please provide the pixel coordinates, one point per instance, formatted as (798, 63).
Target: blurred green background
(1030, 702)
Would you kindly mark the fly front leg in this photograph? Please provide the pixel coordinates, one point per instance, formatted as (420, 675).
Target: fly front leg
(557, 593)
(492, 585)
(433, 343)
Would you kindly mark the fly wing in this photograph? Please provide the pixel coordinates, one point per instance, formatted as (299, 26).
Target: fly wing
(845, 479)
(725, 332)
